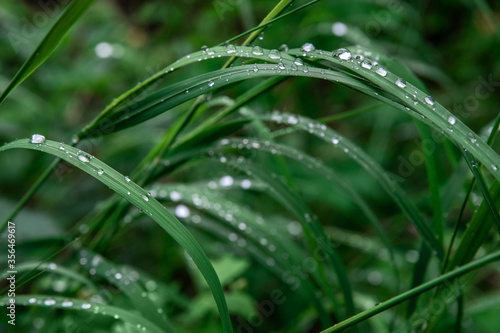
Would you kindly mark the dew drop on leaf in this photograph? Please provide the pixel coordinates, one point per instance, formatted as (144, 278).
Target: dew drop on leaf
(84, 158)
(367, 64)
(451, 120)
(381, 71)
(308, 47)
(401, 83)
(429, 100)
(37, 138)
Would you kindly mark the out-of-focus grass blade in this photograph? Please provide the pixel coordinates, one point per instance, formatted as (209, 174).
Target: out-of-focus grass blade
(381, 307)
(133, 193)
(313, 230)
(58, 302)
(121, 278)
(371, 166)
(71, 14)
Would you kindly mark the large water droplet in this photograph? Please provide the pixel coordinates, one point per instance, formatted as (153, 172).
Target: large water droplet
(274, 54)
(429, 100)
(401, 83)
(381, 71)
(37, 138)
(257, 50)
(339, 29)
(343, 54)
(308, 47)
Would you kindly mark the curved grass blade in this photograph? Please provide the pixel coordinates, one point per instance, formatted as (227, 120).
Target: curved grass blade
(71, 14)
(120, 277)
(381, 307)
(317, 166)
(142, 200)
(371, 166)
(313, 230)
(58, 302)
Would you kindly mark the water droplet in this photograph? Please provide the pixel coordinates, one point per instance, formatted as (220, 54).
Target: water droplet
(246, 184)
(367, 64)
(339, 29)
(270, 261)
(494, 167)
(145, 197)
(127, 179)
(226, 181)
(118, 276)
(451, 120)
(86, 306)
(37, 138)
(281, 65)
(261, 35)
(211, 83)
(49, 302)
(233, 237)
(343, 54)
(381, 71)
(230, 48)
(429, 100)
(67, 304)
(84, 158)
(32, 300)
(283, 48)
(274, 54)
(292, 120)
(257, 50)
(61, 147)
(401, 83)
(181, 211)
(308, 47)
(335, 140)
(100, 172)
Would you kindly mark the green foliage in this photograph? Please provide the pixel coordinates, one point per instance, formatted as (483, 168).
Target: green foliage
(313, 188)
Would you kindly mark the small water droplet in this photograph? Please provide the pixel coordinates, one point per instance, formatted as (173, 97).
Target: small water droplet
(283, 48)
(343, 54)
(37, 138)
(181, 211)
(257, 50)
(86, 306)
(211, 83)
(401, 83)
(298, 62)
(335, 141)
(308, 47)
(494, 167)
(67, 304)
(226, 181)
(145, 197)
(100, 172)
(49, 302)
(84, 158)
(246, 184)
(230, 48)
(367, 64)
(339, 29)
(451, 120)
(261, 35)
(429, 100)
(32, 300)
(274, 54)
(381, 71)
(281, 65)
(127, 179)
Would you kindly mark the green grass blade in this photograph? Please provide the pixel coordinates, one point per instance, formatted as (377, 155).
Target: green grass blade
(58, 302)
(371, 166)
(381, 307)
(71, 15)
(142, 200)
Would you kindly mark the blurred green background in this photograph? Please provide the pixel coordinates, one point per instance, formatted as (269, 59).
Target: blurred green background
(452, 46)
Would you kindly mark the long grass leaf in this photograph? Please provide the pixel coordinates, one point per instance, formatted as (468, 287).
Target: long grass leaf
(142, 200)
